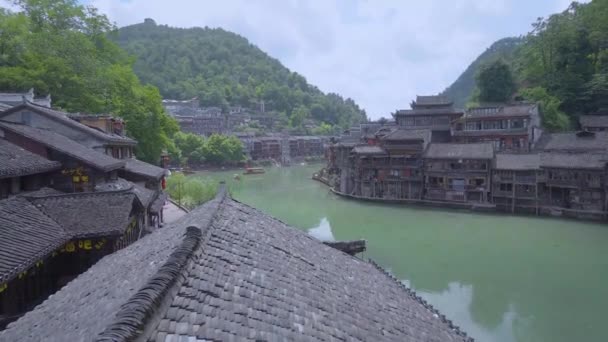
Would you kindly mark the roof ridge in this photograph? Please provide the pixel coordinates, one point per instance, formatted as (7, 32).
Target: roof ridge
(423, 302)
(126, 191)
(131, 320)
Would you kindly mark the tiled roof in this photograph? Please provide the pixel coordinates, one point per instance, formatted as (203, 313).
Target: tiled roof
(88, 214)
(409, 134)
(144, 169)
(422, 111)
(574, 142)
(512, 110)
(433, 100)
(460, 151)
(508, 161)
(227, 272)
(64, 119)
(16, 162)
(4, 106)
(574, 160)
(26, 236)
(366, 149)
(594, 121)
(144, 195)
(65, 145)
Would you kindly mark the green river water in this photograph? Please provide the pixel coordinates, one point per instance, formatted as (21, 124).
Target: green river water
(500, 278)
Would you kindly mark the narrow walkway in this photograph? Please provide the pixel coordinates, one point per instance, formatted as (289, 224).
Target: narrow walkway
(172, 212)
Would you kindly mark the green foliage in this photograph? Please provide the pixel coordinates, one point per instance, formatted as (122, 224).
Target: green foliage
(60, 47)
(495, 82)
(298, 116)
(220, 148)
(462, 90)
(567, 56)
(324, 129)
(222, 68)
(216, 149)
(553, 118)
(190, 192)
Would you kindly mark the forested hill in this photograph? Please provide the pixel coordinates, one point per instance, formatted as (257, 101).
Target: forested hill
(462, 89)
(222, 68)
(561, 64)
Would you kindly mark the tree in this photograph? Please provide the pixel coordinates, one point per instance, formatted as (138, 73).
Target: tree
(495, 82)
(222, 69)
(298, 116)
(61, 47)
(553, 118)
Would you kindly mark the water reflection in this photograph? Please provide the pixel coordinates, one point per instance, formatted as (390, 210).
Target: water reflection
(322, 231)
(500, 278)
(457, 300)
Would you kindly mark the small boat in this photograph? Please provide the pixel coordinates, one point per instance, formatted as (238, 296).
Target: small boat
(253, 170)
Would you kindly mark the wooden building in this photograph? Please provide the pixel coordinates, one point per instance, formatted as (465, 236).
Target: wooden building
(82, 168)
(458, 172)
(435, 113)
(574, 142)
(575, 184)
(517, 182)
(513, 128)
(48, 238)
(594, 123)
(22, 171)
(228, 272)
(110, 143)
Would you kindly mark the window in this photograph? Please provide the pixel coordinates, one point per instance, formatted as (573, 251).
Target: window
(506, 187)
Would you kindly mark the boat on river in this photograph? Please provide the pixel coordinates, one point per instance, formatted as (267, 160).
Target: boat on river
(253, 170)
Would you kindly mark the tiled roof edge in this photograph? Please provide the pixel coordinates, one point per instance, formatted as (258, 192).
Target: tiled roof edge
(130, 321)
(424, 303)
(132, 317)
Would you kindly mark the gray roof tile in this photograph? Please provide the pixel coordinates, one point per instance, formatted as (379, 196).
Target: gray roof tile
(65, 119)
(574, 142)
(26, 236)
(16, 162)
(517, 162)
(65, 145)
(574, 160)
(432, 100)
(88, 214)
(237, 274)
(144, 169)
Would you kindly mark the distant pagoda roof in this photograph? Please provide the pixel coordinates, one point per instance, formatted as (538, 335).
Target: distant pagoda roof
(433, 100)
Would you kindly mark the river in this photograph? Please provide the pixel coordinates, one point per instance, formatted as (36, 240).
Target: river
(500, 278)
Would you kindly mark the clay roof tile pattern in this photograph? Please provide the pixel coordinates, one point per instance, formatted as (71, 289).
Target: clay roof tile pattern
(65, 145)
(26, 236)
(89, 214)
(144, 169)
(226, 272)
(64, 118)
(16, 161)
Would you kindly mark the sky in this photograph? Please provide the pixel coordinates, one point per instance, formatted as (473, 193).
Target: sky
(381, 53)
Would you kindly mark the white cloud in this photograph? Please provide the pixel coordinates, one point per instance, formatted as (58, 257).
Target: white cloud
(380, 53)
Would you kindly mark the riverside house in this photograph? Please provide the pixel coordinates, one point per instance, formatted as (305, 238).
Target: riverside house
(458, 172)
(514, 127)
(435, 113)
(63, 203)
